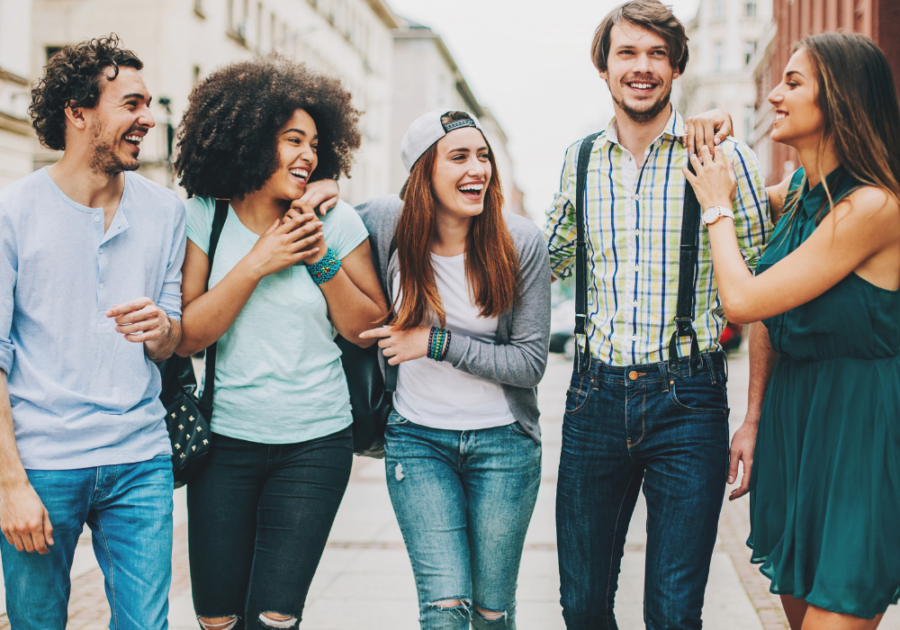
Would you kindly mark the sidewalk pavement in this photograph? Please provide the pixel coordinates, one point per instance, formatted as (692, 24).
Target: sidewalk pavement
(364, 581)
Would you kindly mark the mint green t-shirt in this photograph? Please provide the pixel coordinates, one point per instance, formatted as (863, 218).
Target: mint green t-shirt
(279, 378)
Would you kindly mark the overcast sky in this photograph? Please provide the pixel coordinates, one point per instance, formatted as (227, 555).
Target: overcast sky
(532, 67)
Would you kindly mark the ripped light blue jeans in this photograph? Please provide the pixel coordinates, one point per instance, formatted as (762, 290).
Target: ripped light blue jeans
(463, 500)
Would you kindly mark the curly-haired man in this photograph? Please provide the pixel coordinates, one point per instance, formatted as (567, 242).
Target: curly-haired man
(90, 274)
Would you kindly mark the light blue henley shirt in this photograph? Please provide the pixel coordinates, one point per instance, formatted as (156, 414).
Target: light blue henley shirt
(81, 394)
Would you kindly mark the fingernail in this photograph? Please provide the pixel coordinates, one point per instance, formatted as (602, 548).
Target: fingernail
(730, 479)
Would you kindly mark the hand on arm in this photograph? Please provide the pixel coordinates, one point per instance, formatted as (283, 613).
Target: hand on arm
(401, 345)
(708, 129)
(24, 520)
(865, 224)
(207, 314)
(142, 321)
(762, 363)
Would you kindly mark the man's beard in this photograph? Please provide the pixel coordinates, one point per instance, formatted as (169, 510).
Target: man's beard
(104, 158)
(641, 116)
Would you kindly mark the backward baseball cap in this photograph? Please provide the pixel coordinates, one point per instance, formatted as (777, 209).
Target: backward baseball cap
(428, 129)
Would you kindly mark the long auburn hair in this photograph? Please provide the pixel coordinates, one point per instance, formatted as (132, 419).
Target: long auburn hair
(861, 111)
(492, 265)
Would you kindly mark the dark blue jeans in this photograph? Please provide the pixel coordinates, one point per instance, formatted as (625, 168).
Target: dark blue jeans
(625, 427)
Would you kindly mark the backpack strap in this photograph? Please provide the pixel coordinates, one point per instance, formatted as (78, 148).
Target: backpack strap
(209, 382)
(582, 360)
(684, 311)
(391, 371)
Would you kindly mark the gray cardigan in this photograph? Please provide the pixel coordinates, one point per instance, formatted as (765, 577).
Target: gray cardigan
(518, 360)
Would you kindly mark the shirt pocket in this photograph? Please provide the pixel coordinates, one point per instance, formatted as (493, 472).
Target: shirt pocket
(303, 287)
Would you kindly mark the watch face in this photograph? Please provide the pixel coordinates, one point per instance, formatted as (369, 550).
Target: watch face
(710, 215)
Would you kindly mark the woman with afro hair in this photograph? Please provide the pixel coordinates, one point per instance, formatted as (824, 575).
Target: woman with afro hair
(283, 281)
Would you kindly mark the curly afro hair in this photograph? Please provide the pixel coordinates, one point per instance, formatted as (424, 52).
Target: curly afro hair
(72, 79)
(227, 138)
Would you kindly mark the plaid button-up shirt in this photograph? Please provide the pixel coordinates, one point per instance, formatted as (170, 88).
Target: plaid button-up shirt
(633, 234)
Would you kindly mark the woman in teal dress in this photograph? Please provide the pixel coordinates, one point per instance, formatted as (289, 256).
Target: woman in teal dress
(825, 484)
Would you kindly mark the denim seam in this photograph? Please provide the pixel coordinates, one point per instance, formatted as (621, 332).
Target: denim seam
(700, 410)
(112, 588)
(643, 419)
(612, 553)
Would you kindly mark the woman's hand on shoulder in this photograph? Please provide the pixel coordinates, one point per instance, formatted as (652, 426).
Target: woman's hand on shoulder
(708, 129)
(321, 195)
(400, 345)
(286, 242)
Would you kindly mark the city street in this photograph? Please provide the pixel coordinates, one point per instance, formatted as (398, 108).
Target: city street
(365, 583)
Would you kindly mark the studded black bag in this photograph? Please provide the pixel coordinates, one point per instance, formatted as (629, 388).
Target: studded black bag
(187, 417)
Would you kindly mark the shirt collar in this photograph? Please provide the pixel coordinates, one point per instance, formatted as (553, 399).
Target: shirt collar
(674, 128)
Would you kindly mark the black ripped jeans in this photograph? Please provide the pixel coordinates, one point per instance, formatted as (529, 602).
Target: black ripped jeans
(258, 519)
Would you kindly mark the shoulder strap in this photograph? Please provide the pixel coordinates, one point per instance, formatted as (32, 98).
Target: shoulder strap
(391, 371)
(209, 381)
(581, 301)
(684, 311)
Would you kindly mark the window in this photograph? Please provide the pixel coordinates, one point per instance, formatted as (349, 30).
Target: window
(749, 122)
(52, 50)
(750, 8)
(196, 75)
(718, 10)
(717, 55)
(749, 51)
(259, 26)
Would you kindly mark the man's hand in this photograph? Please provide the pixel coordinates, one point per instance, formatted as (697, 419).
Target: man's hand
(707, 129)
(742, 445)
(24, 519)
(400, 345)
(140, 320)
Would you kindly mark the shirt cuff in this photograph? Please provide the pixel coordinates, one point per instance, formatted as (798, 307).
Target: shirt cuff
(171, 304)
(7, 354)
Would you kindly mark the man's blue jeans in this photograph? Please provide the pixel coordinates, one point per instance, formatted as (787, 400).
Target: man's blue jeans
(463, 500)
(625, 427)
(129, 510)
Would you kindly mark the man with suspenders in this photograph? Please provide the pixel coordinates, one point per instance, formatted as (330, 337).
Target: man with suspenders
(647, 405)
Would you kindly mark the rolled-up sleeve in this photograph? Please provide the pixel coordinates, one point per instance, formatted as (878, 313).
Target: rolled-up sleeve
(751, 205)
(170, 296)
(8, 272)
(560, 227)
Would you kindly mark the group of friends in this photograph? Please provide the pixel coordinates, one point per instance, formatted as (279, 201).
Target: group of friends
(103, 273)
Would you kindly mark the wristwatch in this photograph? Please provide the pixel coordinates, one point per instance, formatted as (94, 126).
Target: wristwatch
(711, 215)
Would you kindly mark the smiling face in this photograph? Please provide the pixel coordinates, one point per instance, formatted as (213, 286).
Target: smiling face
(298, 143)
(119, 122)
(639, 72)
(462, 172)
(798, 117)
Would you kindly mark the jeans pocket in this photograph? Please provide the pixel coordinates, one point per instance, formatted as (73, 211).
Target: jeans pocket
(579, 392)
(395, 420)
(699, 395)
(516, 428)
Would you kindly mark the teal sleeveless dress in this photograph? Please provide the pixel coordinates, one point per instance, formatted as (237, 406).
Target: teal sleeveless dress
(825, 487)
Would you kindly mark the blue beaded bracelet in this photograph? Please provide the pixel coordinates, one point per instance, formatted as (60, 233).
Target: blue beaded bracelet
(324, 269)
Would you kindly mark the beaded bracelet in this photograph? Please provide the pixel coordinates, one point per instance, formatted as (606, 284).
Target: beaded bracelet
(438, 343)
(325, 268)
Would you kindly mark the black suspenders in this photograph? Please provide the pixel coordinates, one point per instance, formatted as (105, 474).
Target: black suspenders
(684, 317)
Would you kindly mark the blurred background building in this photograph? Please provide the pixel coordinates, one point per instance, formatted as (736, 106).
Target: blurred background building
(363, 42)
(724, 36)
(17, 140)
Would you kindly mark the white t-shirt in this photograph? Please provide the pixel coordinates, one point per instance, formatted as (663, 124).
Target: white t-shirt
(435, 394)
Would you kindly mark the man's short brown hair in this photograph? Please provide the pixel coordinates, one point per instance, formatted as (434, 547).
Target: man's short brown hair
(652, 15)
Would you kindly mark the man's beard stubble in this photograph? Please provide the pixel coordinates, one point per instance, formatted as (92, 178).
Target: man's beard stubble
(643, 116)
(104, 158)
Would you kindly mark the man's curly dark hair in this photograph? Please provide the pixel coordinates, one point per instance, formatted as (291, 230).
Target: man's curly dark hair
(227, 138)
(72, 79)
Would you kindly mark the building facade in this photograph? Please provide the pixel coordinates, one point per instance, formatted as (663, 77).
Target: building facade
(793, 20)
(182, 41)
(17, 139)
(723, 38)
(425, 78)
